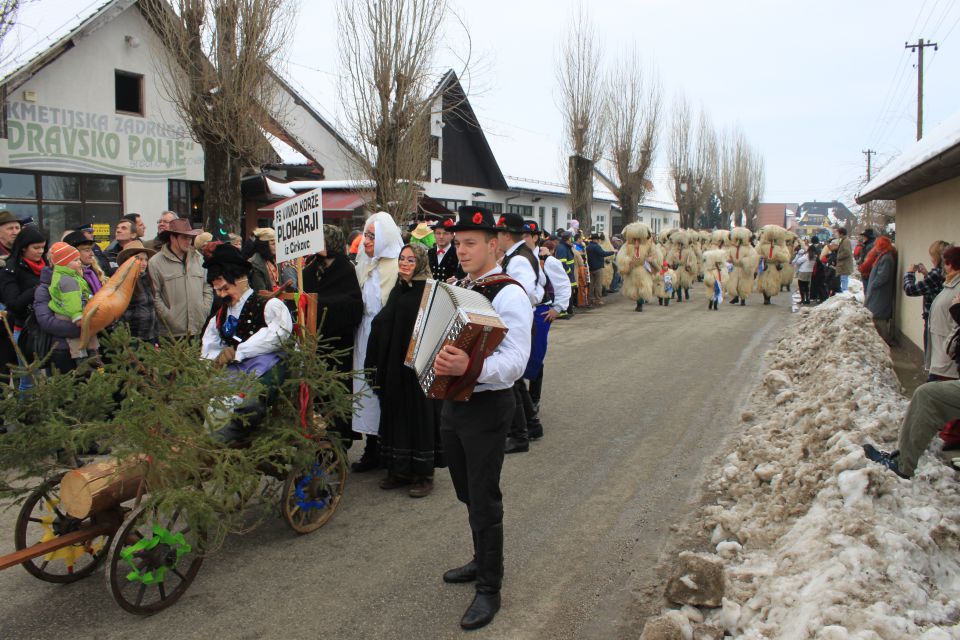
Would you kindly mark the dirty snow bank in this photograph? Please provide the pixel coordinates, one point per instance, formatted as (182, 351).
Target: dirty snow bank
(819, 542)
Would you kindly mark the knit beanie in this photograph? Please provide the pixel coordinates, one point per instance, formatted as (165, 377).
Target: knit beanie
(63, 254)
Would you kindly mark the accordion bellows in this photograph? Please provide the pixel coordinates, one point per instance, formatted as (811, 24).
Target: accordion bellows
(457, 316)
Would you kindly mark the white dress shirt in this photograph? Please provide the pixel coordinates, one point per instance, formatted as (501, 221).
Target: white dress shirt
(267, 340)
(554, 270)
(505, 365)
(520, 269)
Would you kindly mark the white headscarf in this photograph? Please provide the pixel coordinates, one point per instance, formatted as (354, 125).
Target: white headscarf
(387, 244)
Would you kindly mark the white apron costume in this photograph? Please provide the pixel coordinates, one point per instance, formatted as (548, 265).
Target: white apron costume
(377, 276)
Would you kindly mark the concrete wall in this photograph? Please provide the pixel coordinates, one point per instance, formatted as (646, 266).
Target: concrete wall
(922, 217)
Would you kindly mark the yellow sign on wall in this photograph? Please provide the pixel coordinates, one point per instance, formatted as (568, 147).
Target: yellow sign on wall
(101, 232)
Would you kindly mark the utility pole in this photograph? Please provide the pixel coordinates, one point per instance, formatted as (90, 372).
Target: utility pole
(869, 219)
(919, 47)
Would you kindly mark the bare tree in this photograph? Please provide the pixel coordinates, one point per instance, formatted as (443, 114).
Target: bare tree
(633, 121)
(580, 76)
(693, 163)
(388, 48)
(218, 73)
(756, 182)
(733, 176)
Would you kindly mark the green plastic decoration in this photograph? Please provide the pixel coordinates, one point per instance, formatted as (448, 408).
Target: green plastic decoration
(161, 535)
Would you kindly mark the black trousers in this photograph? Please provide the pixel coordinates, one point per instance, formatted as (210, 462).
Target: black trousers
(536, 387)
(474, 435)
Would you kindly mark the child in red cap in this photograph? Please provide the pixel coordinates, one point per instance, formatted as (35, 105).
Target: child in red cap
(69, 292)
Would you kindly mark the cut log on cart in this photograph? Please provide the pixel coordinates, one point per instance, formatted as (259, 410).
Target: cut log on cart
(100, 486)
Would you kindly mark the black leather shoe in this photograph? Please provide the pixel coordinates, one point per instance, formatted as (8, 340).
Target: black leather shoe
(364, 464)
(466, 573)
(535, 432)
(516, 446)
(481, 611)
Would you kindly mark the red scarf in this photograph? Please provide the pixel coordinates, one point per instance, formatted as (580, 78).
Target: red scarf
(36, 267)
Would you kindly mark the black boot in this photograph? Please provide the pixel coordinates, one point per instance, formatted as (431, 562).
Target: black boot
(666, 302)
(466, 573)
(370, 459)
(659, 302)
(517, 438)
(743, 302)
(486, 602)
(687, 292)
(735, 300)
(639, 305)
(766, 299)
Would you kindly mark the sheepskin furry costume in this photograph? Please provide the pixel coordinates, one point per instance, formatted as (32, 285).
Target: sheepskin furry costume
(663, 284)
(637, 261)
(683, 260)
(743, 257)
(772, 248)
(701, 238)
(714, 276)
(719, 239)
(787, 273)
(607, 262)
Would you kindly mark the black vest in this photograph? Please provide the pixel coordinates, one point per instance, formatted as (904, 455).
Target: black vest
(250, 321)
(523, 250)
(549, 295)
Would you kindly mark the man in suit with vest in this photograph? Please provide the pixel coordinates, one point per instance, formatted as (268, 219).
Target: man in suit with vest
(444, 263)
(519, 263)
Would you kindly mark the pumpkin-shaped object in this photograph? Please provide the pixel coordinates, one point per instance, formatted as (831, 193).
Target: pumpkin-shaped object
(107, 305)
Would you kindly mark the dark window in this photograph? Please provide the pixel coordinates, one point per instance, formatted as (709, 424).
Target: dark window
(494, 207)
(59, 202)
(434, 146)
(523, 209)
(128, 92)
(185, 198)
(452, 205)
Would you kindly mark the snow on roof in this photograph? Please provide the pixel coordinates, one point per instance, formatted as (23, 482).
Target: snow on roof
(279, 188)
(556, 188)
(944, 136)
(288, 155)
(308, 185)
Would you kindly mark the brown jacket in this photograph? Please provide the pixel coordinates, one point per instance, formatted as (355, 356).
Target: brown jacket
(845, 263)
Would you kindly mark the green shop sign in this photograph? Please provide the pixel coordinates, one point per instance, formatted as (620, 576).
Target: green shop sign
(67, 139)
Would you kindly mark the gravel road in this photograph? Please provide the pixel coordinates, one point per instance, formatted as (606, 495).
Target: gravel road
(634, 407)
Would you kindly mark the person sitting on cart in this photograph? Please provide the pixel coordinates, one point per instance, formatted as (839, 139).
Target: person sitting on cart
(244, 335)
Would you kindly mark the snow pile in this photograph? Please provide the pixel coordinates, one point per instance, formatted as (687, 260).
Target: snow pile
(818, 541)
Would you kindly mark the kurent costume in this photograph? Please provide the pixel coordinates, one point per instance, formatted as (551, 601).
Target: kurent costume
(743, 259)
(444, 263)
(788, 271)
(254, 327)
(474, 432)
(663, 284)
(377, 276)
(638, 260)
(683, 260)
(719, 239)
(606, 245)
(773, 256)
(714, 273)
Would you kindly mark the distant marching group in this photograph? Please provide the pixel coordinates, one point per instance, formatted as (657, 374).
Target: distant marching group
(730, 263)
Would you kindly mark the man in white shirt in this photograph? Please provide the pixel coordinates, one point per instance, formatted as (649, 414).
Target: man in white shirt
(245, 335)
(474, 432)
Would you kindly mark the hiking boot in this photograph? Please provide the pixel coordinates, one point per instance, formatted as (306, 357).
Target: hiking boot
(888, 460)
(393, 482)
(421, 488)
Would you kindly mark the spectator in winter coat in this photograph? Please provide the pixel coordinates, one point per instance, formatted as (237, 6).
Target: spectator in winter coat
(942, 324)
(141, 315)
(881, 264)
(179, 282)
(9, 228)
(929, 287)
(265, 276)
(845, 262)
(595, 264)
(867, 238)
(22, 274)
(804, 263)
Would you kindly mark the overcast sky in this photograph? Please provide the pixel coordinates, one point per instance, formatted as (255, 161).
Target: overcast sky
(811, 84)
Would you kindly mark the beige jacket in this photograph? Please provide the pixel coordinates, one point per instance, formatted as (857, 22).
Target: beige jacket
(942, 327)
(183, 297)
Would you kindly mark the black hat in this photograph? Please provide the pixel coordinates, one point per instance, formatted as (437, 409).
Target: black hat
(471, 218)
(86, 226)
(445, 223)
(226, 262)
(510, 222)
(531, 227)
(76, 239)
(869, 233)
(594, 236)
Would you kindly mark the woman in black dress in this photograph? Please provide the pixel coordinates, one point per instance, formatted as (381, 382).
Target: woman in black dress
(408, 437)
(331, 276)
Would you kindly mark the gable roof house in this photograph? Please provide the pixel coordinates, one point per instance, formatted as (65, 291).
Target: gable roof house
(88, 132)
(925, 183)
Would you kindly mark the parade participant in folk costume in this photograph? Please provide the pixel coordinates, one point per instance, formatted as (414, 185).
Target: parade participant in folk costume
(520, 263)
(247, 333)
(377, 274)
(443, 256)
(714, 274)
(638, 260)
(608, 262)
(330, 275)
(408, 432)
(788, 271)
(719, 238)
(773, 255)
(664, 283)
(474, 432)
(743, 257)
(683, 260)
(702, 240)
(423, 234)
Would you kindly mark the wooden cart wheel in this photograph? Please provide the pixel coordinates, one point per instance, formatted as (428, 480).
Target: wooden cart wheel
(153, 560)
(310, 496)
(41, 519)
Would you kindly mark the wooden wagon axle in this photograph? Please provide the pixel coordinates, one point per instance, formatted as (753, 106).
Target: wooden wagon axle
(83, 534)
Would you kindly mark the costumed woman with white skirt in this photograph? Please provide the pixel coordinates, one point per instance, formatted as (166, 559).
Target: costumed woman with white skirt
(377, 272)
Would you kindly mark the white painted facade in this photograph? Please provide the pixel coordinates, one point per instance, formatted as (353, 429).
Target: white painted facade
(63, 119)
